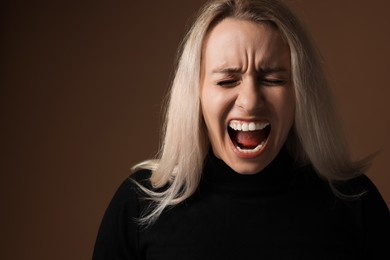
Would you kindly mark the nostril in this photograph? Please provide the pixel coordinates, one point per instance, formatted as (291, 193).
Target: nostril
(250, 104)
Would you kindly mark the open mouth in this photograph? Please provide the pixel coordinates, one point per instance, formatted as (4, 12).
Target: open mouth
(249, 137)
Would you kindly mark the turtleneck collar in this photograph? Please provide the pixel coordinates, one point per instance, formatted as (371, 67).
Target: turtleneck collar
(274, 176)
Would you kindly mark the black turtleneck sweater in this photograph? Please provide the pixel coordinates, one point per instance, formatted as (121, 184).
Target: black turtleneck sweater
(283, 212)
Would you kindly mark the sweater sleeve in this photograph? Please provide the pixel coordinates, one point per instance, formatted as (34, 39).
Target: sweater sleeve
(118, 233)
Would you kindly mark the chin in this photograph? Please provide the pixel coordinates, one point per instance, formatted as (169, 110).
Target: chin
(248, 168)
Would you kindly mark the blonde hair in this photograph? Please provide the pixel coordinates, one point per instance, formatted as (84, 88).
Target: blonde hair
(316, 137)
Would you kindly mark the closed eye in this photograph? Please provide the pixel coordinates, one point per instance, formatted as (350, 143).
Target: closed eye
(273, 82)
(228, 83)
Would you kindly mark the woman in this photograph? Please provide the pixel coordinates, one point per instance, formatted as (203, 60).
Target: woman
(253, 164)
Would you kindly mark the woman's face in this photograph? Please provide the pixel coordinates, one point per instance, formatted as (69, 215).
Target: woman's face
(246, 93)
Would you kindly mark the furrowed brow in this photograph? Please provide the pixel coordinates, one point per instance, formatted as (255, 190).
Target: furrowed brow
(269, 70)
(232, 70)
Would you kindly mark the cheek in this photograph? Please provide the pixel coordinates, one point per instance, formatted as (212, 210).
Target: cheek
(209, 100)
(208, 109)
(283, 103)
(213, 106)
(207, 106)
(287, 109)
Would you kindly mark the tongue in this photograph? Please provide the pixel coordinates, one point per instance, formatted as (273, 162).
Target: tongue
(250, 139)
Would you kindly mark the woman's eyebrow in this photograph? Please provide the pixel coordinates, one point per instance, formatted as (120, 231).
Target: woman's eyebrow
(223, 70)
(268, 70)
(235, 70)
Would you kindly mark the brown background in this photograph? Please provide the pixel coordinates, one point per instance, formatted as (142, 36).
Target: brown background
(80, 96)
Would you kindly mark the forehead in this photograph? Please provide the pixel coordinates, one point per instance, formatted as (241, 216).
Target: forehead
(240, 41)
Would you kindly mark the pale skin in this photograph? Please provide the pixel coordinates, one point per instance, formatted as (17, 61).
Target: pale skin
(245, 83)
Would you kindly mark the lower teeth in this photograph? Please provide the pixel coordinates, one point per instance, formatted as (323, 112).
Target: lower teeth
(256, 149)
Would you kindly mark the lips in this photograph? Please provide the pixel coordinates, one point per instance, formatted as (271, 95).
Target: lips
(249, 137)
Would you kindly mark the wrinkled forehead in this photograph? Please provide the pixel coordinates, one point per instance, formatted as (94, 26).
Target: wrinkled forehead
(235, 42)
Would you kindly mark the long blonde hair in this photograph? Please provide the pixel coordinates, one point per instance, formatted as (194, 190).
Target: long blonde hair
(316, 137)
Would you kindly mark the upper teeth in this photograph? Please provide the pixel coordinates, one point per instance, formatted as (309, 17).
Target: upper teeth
(247, 126)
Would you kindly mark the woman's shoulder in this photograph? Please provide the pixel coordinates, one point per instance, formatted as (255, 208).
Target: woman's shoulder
(129, 188)
(371, 197)
(361, 185)
(118, 231)
(140, 176)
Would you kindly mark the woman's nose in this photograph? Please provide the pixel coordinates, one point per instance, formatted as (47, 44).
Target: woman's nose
(250, 97)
